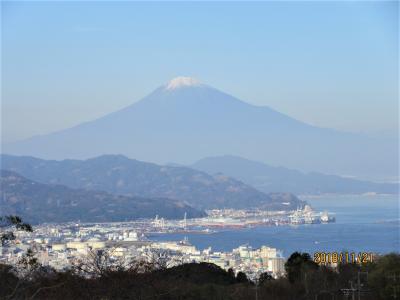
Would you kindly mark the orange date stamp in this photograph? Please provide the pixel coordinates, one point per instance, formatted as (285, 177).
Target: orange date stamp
(343, 257)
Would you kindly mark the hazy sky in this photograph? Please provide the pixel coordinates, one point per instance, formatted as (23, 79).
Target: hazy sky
(330, 64)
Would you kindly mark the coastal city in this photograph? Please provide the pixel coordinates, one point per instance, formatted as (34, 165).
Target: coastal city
(60, 245)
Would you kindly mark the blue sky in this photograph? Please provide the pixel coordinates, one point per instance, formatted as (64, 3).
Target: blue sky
(332, 64)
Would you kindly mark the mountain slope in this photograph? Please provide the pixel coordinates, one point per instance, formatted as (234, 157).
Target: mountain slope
(276, 179)
(185, 120)
(37, 203)
(119, 175)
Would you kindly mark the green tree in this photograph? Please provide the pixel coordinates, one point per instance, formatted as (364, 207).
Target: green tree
(7, 222)
(231, 275)
(384, 276)
(298, 265)
(241, 277)
(264, 278)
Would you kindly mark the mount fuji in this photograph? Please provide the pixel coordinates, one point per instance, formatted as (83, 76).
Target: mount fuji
(185, 120)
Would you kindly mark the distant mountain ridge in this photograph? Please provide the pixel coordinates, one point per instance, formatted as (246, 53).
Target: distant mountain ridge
(184, 120)
(267, 178)
(38, 203)
(119, 175)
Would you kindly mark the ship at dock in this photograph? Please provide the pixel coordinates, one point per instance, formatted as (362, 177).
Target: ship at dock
(308, 216)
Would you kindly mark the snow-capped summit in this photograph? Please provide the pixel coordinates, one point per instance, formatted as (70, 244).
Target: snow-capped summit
(182, 81)
(185, 120)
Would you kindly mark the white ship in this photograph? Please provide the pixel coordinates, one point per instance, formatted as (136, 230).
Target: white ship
(325, 218)
(309, 216)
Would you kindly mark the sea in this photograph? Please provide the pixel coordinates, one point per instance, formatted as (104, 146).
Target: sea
(364, 223)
